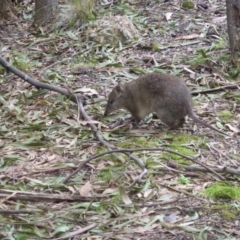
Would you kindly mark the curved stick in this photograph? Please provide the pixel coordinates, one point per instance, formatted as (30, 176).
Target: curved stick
(36, 83)
(138, 150)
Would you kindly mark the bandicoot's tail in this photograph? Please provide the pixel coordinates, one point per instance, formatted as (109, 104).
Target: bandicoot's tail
(197, 120)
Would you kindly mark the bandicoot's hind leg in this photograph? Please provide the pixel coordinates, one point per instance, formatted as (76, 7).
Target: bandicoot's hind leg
(170, 119)
(181, 122)
(178, 123)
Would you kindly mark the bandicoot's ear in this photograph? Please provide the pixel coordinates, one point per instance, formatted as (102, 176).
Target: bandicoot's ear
(119, 89)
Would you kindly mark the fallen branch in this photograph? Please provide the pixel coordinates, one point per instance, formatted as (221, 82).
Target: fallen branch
(183, 192)
(226, 170)
(33, 196)
(11, 212)
(232, 87)
(77, 232)
(36, 83)
(138, 150)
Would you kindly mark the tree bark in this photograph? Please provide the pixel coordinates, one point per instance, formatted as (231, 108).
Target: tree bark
(7, 10)
(45, 11)
(233, 23)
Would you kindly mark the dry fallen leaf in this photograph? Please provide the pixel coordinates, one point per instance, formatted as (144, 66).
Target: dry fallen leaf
(71, 189)
(73, 142)
(171, 218)
(109, 191)
(188, 37)
(85, 189)
(219, 20)
(149, 193)
(86, 91)
(168, 15)
(124, 196)
(233, 129)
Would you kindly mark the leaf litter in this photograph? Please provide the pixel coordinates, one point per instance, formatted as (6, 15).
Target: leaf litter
(42, 140)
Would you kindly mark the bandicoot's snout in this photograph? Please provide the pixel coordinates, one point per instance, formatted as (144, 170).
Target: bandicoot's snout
(105, 113)
(107, 110)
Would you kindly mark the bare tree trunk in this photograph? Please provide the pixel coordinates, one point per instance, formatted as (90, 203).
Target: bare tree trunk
(7, 10)
(233, 22)
(45, 11)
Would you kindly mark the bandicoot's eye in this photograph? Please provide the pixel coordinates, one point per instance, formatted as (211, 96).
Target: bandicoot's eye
(111, 101)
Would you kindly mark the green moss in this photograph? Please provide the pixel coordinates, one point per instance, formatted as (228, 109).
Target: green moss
(183, 138)
(180, 143)
(220, 206)
(139, 142)
(84, 9)
(2, 70)
(112, 173)
(21, 61)
(183, 180)
(154, 47)
(229, 215)
(225, 114)
(188, 4)
(182, 150)
(199, 58)
(223, 190)
(237, 98)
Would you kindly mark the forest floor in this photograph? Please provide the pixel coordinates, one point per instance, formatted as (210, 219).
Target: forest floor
(42, 139)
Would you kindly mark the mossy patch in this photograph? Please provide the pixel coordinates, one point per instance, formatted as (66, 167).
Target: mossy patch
(225, 114)
(180, 149)
(2, 70)
(227, 211)
(229, 215)
(112, 173)
(140, 142)
(154, 47)
(183, 138)
(181, 143)
(223, 190)
(84, 9)
(183, 180)
(188, 4)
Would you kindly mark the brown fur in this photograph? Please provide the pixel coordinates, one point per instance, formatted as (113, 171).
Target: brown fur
(163, 94)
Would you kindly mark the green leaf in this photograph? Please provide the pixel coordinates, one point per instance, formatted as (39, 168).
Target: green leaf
(72, 35)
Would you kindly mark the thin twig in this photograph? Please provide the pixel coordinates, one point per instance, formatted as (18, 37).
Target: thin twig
(77, 232)
(226, 170)
(182, 191)
(232, 87)
(33, 196)
(210, 145)
(11, 212)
